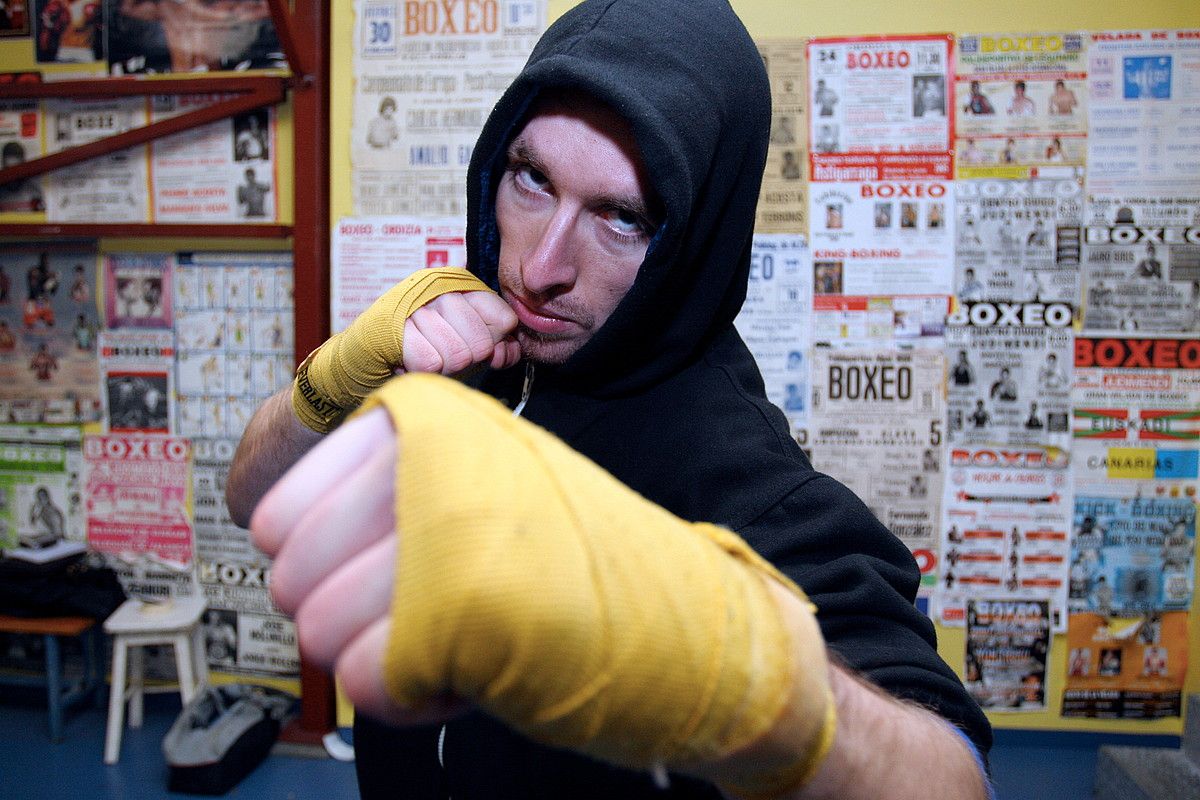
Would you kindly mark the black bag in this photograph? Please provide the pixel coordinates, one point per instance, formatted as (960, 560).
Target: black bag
(71, 586)
(222, 735)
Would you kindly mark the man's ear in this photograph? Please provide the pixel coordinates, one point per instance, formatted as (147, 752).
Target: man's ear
(142, 10)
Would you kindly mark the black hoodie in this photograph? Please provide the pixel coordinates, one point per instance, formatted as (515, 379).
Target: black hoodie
(666, 396)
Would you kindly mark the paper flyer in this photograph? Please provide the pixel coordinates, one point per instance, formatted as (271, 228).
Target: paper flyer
(1018, 240)
(878, 426)
(109, 188)
(234, 334)
(48, 325)
(423, 84)
(1125, 667)
(372, 254)
(1136, 415)
(883, 256)
(1006, 522)
(880, 108)
(1143, 98)
(782, 202)
(774, 322)
(21, 140)
(137, 381)
(1008, 644)
(138, 496)
(1022, 104)
(221, 172)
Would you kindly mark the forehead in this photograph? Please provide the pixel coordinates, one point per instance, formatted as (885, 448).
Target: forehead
(575, 137)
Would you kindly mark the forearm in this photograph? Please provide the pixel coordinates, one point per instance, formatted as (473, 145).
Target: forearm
(274, 440)
(883, 747)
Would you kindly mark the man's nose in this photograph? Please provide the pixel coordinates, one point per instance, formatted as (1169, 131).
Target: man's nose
(549, 266)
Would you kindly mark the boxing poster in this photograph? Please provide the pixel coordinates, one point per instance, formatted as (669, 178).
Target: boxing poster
(1010, 374)
(1021, 102)
(881, 108)
(774, 323)
(137, 381)
(373, 254)
(20, 141)
(48, 325)
(883, 260)
(137, 496)
(221, 172)
(1006, 521)
(1143, 99)
(426, 75)
(244, 632)
(1126, 667)
(1008, 644)
(110, 188)
(1141, 263)
(782, 203)
(1018, 240)
(1136, 415)
(878, 426)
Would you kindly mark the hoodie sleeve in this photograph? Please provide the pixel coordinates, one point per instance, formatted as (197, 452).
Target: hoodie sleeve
(863, 580)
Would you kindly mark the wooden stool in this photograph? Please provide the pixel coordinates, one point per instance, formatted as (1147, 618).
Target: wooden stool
(50, 629)
(133, 626)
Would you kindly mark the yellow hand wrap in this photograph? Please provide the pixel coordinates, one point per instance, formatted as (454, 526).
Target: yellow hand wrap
(335, 377)
(534, 584)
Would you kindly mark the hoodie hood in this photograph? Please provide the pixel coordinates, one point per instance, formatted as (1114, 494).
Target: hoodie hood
(687, 77)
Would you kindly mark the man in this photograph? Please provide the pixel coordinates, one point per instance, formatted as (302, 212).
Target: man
(978, 102)
(1062, 100)
(154, 36)
(1004, 388)
(1050, 375)
(252, 195)
(1149, 267)
(1020, 105)
(383, 130)
(972, 288)
(824, 99)
(1034, 421)
(597, 229)
(43, 364)
(250, 142)
(979, 416)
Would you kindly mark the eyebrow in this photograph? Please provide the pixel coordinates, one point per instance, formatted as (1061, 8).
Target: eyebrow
(520, 152)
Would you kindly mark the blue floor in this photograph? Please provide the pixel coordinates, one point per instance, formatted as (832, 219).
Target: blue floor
(1026, 765)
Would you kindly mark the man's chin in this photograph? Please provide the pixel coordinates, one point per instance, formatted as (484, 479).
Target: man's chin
(543, 349)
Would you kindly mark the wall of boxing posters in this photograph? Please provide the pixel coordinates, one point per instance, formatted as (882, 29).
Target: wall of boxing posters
(128, 379)
(1015, 218)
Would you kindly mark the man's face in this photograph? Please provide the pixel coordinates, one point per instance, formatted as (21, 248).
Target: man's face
(575, 220)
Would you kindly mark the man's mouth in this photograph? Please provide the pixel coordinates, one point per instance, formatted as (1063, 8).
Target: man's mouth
(540, 320)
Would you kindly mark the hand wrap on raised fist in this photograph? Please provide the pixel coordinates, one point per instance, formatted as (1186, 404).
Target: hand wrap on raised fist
(534, 584)
(335, 377)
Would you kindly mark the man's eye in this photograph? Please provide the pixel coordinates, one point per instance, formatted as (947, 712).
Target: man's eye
(625, 221)
(530, 178)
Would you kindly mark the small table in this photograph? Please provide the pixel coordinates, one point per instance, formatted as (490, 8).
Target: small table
(60, 697)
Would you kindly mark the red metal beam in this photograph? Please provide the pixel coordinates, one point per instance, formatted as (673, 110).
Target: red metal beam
(131, 87)
(310, 259)
(135, 229)
(261, 92)
(284, 20)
